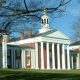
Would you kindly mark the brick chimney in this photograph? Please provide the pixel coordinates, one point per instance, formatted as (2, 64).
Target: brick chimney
(29, 33)
(0, 40)
(22, 35)
(8, 38)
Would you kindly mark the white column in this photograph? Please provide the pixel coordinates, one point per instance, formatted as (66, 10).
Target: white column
(32, 59)
(72, 61)
(68, 58)
(77, 63)
(34, 63)
(14, 58)
(4, 52)
(63, 57)
(58, 57)
(48, 62)
(53, 57)
(42, 56)
(36, 55)
(23, 58)
(12, 54)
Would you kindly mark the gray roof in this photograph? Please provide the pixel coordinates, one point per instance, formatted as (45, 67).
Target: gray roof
(45, 33)
(75, 43)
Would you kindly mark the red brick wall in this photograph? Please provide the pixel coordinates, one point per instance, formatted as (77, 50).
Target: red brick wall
(39, 57)
(28, 57)
(45, 57)
(30, 45)
(0, 40)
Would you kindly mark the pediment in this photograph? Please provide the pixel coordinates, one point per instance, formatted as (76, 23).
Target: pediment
(57, 34)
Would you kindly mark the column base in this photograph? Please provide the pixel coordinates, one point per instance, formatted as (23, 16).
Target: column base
(53, 68)
(37, 68)
(48, 68)
(63, 68)
(69, 69)
(58, 68)
(42, 68)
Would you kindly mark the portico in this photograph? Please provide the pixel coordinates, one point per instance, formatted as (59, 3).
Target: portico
(58, 55)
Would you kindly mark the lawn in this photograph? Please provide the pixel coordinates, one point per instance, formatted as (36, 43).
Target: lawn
(27, 74)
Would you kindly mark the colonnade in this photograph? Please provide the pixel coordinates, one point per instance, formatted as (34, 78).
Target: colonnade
(63, 58)
(75, 60)
(78, 61)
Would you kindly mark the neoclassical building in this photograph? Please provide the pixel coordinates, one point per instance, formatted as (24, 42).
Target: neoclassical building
(75, 54)
(48, 49)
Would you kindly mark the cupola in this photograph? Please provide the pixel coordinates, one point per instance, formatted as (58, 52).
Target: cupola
(44, 23)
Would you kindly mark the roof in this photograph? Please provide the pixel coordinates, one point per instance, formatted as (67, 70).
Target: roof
(75, 43)
(54, 35)
(35, 35)
(46, 33)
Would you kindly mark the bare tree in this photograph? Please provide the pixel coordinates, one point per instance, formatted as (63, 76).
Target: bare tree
(18, 12)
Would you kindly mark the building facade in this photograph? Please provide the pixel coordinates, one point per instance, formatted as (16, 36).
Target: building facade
(75, 54)
(48, 49)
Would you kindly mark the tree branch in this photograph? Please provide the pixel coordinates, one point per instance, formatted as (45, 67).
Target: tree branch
(25, 5)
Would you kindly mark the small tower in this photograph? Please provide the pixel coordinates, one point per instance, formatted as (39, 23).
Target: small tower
(44, 23)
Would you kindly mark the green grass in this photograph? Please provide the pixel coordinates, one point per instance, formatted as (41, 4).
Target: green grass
(27, 74)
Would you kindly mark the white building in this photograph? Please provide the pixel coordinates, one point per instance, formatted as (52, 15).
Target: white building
(75, 54)
(49, 49)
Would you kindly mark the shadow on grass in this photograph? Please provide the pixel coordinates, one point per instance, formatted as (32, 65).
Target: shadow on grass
(26, 75)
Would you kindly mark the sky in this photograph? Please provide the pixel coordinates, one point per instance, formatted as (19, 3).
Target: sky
(65, 22)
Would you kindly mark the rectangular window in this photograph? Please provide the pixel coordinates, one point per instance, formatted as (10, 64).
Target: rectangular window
(8, 61)
(28, 53)
(47, 21)
(9, 52)
(28, 62)
(17, 52)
